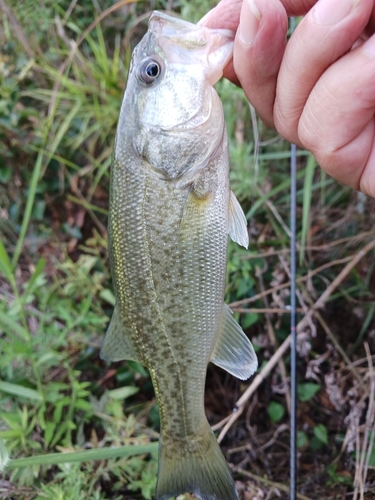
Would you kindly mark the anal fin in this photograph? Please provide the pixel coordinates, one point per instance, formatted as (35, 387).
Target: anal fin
(237, 222)
(117, 344)
(233, 351)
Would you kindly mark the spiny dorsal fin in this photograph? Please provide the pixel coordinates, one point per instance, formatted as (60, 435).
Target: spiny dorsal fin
(116, 344)
(234, 351)
(237, 222)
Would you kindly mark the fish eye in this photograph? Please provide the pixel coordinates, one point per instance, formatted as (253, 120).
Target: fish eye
(150, 70)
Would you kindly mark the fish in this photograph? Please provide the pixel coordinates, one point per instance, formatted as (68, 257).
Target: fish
(171, 210)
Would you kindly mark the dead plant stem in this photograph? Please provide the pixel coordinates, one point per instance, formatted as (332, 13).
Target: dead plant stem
(309, 275)
(268, 482)
(18, 30)
(260, 377)
(274, 343)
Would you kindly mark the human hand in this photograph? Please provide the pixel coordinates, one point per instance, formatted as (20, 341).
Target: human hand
(317, 90)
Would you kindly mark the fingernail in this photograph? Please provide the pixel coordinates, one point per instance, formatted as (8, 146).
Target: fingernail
(249, 22)
(329, 12)
(369, 46)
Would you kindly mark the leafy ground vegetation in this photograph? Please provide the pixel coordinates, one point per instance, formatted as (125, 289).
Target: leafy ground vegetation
(73, 427)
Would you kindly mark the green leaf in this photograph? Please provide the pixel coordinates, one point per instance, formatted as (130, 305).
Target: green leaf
(50, 430)
(38, 270)
(12, 328)
(108, 296)
(53, 391)
(249, 320)
(337, 478)
(261, 200)
(321, 433)
(81, 404)
(276, 411)
(4, 457)
(5, 172)
(372, 457)
(83, 456)
(307, 391)
(301, 439)
(138, 368)
(29, 205)
(5, 265)
(307, 194)
(48, 357)
(154, 416)
(123, 392)
(11, 433)
(20, 390)
(61, 429)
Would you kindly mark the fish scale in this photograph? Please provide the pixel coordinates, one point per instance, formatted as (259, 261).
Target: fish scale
(190, 261)
(171, 210)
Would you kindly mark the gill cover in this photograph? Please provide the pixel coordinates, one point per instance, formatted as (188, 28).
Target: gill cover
(178, 113)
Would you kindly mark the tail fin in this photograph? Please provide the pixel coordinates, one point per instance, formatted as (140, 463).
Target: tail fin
(194, 465)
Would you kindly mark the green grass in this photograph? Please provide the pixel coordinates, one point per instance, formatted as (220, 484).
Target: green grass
(72, 426)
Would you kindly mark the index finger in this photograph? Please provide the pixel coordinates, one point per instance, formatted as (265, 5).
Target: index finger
(260, 28)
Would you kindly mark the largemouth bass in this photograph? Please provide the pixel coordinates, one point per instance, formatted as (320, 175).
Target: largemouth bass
(171, 210)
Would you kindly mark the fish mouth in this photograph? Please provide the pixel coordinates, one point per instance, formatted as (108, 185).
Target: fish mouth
(211, 47)
(169, 25)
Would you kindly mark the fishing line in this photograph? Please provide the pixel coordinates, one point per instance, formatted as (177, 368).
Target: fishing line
(293, 313)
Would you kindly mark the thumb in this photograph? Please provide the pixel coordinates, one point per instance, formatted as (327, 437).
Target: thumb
(258, 50)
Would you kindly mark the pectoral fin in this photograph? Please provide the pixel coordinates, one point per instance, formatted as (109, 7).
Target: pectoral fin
(237, 222)
(234, 351)
(116, 344)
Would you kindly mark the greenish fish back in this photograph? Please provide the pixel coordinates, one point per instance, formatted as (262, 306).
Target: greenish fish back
(117, 344)
(195, 466)
(234, 351)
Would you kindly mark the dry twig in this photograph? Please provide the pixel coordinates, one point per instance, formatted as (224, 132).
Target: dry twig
(272, 336)
(74, 46)
(266, 481)
(260, 377)
(333, 339)
(277, 288)
(351, 240)
(336, 282)
(18, 30)
(363, 453)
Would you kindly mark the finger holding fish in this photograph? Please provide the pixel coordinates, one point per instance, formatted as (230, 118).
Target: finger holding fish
(316, 89)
